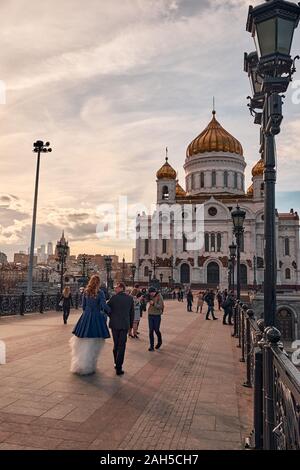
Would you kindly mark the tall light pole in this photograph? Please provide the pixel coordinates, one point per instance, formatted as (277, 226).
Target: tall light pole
(270, 70)
(62, 250)
(238, 216)
(133, 270)
(38, 147)
(232, 252)
(108, 266)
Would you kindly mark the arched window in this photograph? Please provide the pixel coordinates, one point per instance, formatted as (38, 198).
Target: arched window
(206, 241)
(202, 179)
(213, 242)
(225, 179)
(185, 274)
(288, 273)
(213, 273)
(146, 247)
(219, 242)
(213, 179)
(184, 242)
(164, 245)
(286, 324)
(146, 271)
(286, 246)
(165, 193)
(235, 180)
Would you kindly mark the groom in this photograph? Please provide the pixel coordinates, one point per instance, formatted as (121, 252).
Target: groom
(121, 320)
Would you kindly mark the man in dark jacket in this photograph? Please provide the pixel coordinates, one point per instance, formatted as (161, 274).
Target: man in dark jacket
(121, 320)
(228, 308)
(210, 300)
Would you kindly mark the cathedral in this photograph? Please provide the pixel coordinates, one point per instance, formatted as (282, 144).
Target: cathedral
(214, 177)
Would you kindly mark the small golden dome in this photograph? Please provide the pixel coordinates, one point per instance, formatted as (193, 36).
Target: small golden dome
(166, 172)
(250, 190)
(180, 192)
(258, 169)
(214, 138)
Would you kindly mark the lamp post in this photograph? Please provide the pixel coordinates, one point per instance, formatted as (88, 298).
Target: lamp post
(172, 269)
(161, 278)
(62, 249)
(238, 216)
(133, 270)
(154, 264)
(38, 147)
(150, 275)
(270, 70)
(254, 272)
(108, 267)
(232, 253)
(170, 282)
(272, 26)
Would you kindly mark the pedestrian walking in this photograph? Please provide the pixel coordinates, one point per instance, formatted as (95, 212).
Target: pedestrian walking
(155, 311)
(219, 299)
(121, 320)
(200, 301)
(189, 299)
(90, 331)
(210, 300)
(228, 308)
(66, 302)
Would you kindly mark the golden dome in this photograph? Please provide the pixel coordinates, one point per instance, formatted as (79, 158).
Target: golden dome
(180, 192)
(258, 169)
(250, 190)
(214, 138)
(166, 171)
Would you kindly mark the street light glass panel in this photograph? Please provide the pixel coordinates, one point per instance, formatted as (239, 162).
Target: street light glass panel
(238, 217)
(265, 37)
(232, 250)
(285, 32)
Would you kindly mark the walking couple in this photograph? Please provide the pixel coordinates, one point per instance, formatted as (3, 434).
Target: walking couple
(91, 330)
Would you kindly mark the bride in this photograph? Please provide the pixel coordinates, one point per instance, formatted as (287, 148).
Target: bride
(90, 331)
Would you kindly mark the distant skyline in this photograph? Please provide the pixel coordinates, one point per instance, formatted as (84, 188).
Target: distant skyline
(110, 86)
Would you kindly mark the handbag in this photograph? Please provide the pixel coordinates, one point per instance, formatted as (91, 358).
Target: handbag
(61, 302)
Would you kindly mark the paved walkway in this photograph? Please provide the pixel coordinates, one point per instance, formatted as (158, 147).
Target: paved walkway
(187, 395)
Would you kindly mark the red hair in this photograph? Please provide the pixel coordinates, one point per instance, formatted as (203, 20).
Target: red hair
(92, 288)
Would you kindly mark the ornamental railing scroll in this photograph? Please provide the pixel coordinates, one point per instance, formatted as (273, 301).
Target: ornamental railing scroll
(255, 342)
(39, 303)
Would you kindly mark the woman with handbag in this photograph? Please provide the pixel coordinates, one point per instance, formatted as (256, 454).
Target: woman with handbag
(66, 302)
(90, 331)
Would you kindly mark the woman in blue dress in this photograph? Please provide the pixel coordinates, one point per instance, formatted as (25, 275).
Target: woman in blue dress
(90, 331)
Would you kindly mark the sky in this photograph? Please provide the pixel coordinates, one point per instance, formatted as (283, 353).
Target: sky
(110, 84)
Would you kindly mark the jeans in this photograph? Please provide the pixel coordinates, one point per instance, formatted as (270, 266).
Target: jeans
(120, 338)
(189, 305)
(210, 310)
(154, 325)
(66, 313)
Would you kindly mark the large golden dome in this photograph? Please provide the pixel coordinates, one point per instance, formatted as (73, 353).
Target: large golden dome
(180, 192)
(250, 190)
(258, 169)
(214, 138)
(166, 172)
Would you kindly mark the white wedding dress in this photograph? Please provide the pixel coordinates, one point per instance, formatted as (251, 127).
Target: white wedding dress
(84, 354)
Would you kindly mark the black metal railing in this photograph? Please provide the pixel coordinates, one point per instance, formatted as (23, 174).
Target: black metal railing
(22, 304)
(275, 382)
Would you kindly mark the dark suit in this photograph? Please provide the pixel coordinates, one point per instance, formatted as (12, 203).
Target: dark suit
(121, 319)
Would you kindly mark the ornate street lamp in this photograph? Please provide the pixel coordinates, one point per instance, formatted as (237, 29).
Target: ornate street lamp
(62, 250)
(150, 275)
(133, 270)
(272, 26)
(38, 147)
(232, 253)
(238, 216)
(161, 278)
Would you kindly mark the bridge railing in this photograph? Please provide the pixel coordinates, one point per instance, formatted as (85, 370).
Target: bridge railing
(22, 304)
(275, 382)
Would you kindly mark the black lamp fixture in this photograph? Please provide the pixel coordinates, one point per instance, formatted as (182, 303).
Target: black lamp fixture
(272, 26)
(161, 277)
(238, 216)
(232, 250)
